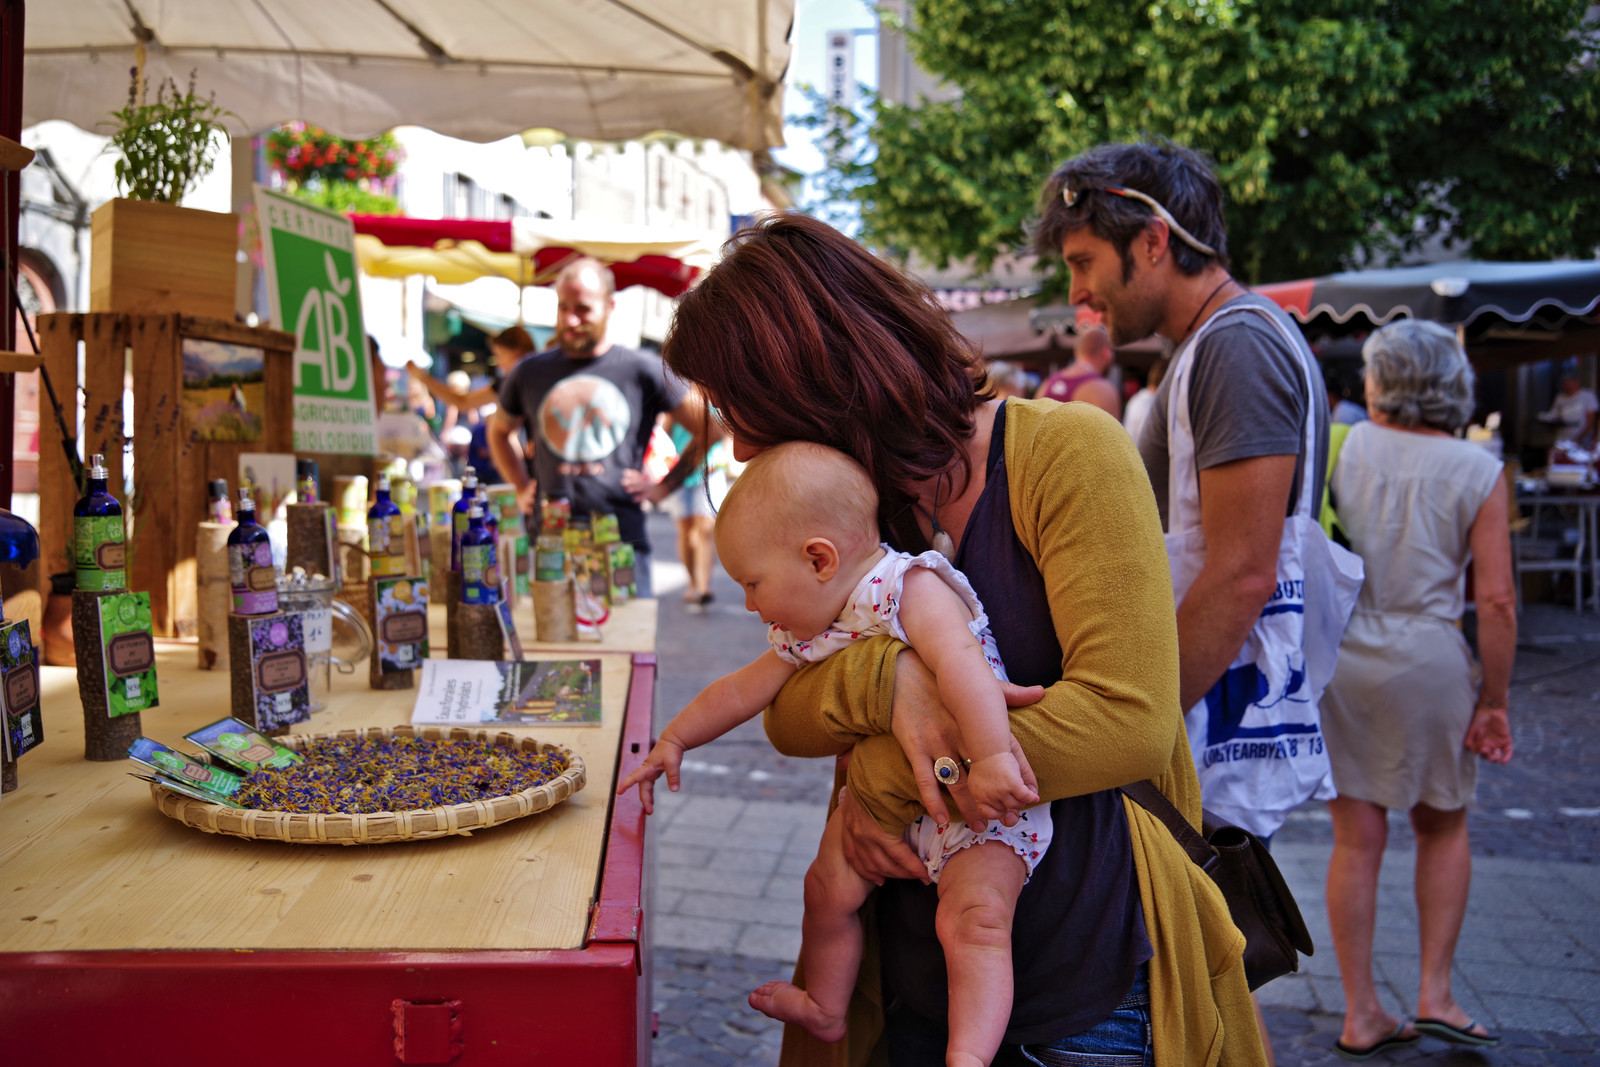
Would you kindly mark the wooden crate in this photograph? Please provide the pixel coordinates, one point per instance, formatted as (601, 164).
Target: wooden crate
(171, 468)
(148, 258)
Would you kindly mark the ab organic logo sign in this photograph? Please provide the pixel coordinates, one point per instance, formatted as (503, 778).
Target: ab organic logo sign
(311, 272)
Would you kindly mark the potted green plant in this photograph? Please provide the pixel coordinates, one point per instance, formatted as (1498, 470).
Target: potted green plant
(147, 254)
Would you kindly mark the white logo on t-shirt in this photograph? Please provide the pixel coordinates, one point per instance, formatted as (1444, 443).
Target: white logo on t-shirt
(584, 418)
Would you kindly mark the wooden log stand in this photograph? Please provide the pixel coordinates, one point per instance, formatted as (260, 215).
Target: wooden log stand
(472, 631)
(104, 738)
(214, 595)
(311, 539)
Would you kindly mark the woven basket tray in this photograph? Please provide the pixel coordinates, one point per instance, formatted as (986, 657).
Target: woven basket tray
(381, 827)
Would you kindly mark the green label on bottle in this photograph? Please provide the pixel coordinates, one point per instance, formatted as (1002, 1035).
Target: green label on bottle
(386, 542)
(480, 576)
(99, 555)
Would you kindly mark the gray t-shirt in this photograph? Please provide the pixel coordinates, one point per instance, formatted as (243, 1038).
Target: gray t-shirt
(589, 420)
(1247, 398)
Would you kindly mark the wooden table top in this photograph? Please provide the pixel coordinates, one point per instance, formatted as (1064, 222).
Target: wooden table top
(88, 863)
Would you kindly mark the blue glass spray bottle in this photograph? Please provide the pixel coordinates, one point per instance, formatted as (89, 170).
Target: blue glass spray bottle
(480, 575)
(99, 555)
(458, 516)
(250, 570)
(385, 534)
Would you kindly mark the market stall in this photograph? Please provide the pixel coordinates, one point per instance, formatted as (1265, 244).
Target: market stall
(526, 942)
(1510, 317)
(1506, 313)
(528, 251)
(589, 68)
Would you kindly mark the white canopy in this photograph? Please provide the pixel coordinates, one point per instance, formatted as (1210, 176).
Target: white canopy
(479, 69)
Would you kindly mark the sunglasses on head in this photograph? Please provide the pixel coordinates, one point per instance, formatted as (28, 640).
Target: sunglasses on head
(1073, 197)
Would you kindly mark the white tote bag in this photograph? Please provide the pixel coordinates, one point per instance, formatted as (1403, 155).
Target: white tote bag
(1257, 736)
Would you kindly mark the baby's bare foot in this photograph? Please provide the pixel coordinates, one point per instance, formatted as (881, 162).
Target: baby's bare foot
(790, 1004)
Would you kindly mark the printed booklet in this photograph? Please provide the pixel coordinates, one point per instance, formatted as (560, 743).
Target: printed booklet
(470, 692)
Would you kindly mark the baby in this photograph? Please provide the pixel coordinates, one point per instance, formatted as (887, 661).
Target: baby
(798, 532)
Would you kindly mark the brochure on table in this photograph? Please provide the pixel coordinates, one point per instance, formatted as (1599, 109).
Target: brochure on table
(467, 692)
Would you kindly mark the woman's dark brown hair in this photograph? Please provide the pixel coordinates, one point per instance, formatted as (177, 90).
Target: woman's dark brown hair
(515, 338)
(800, 334)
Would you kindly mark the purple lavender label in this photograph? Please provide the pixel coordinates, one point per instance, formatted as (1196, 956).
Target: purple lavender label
(254, 579)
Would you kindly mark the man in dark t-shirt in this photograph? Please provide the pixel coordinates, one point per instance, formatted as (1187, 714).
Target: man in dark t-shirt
(588, 408)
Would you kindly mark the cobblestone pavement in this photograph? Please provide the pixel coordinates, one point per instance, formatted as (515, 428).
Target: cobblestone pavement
(735, 842)
(1545, 804)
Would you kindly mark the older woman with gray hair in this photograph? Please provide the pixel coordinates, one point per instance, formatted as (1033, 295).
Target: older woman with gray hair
(1408, 713)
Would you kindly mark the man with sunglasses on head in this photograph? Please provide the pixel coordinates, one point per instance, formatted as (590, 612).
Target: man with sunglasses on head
(1236, 447)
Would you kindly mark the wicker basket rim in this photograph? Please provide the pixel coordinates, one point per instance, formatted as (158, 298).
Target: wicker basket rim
(204, 815)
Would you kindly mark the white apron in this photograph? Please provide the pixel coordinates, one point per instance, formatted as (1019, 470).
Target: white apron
(1257, 736)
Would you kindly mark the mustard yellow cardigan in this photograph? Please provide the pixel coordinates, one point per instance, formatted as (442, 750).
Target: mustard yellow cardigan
(1083, 509)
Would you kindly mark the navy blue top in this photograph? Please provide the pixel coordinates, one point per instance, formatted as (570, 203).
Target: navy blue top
(1079, 934)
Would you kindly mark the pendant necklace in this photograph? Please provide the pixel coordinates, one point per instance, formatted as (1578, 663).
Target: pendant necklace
(1223, 284)
(942, 543)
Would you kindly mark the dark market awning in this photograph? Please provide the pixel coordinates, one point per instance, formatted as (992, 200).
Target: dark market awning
(1508, 312)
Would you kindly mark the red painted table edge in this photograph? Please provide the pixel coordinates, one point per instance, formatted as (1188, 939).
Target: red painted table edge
(70, 1008)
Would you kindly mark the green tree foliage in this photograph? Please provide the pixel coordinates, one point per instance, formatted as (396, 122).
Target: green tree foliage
(1344, 131)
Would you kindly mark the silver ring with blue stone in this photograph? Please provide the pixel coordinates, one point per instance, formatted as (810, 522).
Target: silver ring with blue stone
(948, 771)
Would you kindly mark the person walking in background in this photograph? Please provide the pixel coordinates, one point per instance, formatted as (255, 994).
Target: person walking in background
(1344, 394)
(473, 407)
(508, 348)
(1085, 377)
(1574, 412)
(588, 408)
(1141, 403)
(1407, 717)
(694, 509)
(1007, 379)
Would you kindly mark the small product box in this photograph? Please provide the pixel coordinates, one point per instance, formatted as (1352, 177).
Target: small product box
(401, 613)
(578, 536)
(503, 498)
(193, 792)
(589, 570)
(241, 746)
(279, 689)
(19, 690)
(554, 515)
(508, 625)
(129, 653)
(606, 530)
(215, 782)
(621, 585)
(520, 567)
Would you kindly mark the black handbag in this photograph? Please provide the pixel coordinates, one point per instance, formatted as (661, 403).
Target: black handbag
(1259, 900)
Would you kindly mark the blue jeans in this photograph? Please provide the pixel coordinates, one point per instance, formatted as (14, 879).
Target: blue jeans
(1121, 1039)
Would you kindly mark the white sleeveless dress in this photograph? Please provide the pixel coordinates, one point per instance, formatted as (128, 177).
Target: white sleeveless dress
(1402, 697)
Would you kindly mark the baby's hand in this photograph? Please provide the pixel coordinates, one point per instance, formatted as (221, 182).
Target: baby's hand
(664, 758)
(998, 786)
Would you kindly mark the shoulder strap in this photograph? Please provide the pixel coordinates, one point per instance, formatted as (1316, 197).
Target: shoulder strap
(1337, 432)
(1329, 519)
(1147, 796)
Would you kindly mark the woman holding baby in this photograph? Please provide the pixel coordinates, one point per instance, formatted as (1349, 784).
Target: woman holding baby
(1120, 946)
